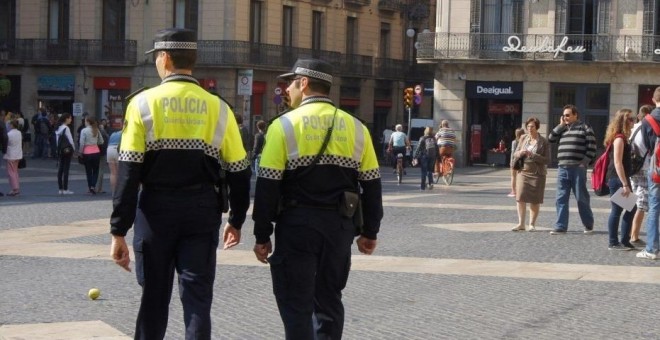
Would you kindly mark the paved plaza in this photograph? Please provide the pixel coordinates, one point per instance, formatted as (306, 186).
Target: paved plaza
(446, 267)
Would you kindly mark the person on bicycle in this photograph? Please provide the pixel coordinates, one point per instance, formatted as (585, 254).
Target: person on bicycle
(446, 139)
(399, 143)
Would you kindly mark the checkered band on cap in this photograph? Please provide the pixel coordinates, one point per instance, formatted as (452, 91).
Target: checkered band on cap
(175, 45)
(314, 74)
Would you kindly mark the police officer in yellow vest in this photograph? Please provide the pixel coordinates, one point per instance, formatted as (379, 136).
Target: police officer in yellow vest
(175, 141)
(310, 199)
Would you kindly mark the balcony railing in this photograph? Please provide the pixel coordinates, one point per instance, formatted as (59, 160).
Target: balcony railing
(389, 5)
(358, 2)
(73, 51)
(583, 47)
(210, 53)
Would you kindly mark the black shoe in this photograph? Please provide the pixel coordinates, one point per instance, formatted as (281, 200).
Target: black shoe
(92, 191)
(618, 247)
(1, 194)
(638, 242)
(629, 246)
(558, 232)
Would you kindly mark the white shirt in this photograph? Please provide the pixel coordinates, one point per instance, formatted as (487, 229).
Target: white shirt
(14, 145)
(638, 142)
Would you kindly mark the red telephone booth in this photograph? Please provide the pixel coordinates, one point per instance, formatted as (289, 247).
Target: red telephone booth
(475, 142)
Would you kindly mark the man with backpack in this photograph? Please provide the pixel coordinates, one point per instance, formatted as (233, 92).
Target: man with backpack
(650, 137)
(576, 148)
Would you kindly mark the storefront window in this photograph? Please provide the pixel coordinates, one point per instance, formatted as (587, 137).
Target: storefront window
(597, 98)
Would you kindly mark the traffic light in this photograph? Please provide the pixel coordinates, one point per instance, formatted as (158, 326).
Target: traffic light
(408, 97)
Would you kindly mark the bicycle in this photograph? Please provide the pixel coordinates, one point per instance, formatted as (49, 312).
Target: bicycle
(446, 171)
(399, 168)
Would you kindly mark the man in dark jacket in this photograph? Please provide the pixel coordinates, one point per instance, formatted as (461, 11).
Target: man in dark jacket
(651, 251)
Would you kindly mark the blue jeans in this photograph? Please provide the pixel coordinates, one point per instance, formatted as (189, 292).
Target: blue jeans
(615, 215)
(427, 163)
(256, 164)
(573, 178)
(652, 216)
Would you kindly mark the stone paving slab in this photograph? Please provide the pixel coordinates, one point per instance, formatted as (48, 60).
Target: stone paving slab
(81, 330)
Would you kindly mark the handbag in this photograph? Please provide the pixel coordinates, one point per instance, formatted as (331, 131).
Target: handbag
(519, 164)
(22, 163)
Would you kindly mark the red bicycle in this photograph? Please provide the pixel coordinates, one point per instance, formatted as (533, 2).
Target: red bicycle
(446, 170)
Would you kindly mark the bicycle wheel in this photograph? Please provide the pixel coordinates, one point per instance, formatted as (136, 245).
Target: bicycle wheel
(448, 176)
(436, 177)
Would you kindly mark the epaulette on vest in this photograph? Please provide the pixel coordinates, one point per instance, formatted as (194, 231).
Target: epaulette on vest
(222, 99)
(270, 121)
(356, 117)
(130, 96)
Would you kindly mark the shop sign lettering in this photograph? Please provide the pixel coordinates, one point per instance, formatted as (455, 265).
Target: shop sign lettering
(495, 90)
(515, 45)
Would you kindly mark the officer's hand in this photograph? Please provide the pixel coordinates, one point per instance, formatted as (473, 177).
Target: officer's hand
(119, 252)
(366, 245)
(230, 236)
(262, 251)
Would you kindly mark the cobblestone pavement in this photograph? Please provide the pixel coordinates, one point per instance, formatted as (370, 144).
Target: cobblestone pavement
(446, 267)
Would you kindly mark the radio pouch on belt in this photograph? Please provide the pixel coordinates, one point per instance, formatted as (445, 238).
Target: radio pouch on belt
(222, 192)
(348, 203)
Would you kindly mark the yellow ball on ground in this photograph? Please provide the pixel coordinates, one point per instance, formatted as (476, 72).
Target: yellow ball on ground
(94, 293)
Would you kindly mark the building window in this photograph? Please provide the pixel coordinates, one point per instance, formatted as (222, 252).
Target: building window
(651, 22)
(7, 19)
(502, 16)
(287, 26)
(351, 35)
(58, 20)
(114, 20)
(384, 43)
(317, 25)
(256, 15)
(582, 17)
(185, 14)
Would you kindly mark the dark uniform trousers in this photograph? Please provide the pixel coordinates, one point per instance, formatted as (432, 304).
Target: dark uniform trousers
(310, 267)
(176, 229)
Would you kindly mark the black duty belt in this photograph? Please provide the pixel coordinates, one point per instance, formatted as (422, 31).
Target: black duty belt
(288, 204)
(185, 188)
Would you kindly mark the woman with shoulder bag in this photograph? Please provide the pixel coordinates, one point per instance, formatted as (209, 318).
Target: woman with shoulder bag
(618, 175)
(65, 151)
(534, 152)
(90, 138)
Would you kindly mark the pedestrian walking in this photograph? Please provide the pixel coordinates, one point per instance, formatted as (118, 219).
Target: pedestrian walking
(91, 141)
(112, 157)
(534, 150)
(425, 154)
(176, 140)
(576, 148)
(65, 151)
(618, 175)
(650, 252)
(514, 146)
(13, 156)
(316, 160)
(639, 181)
(259, 139)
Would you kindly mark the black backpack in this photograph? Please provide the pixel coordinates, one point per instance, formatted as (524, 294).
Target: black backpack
(64, 147)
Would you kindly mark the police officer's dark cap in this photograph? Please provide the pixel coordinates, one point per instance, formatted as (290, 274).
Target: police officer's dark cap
(174, 39)
(311, 68)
